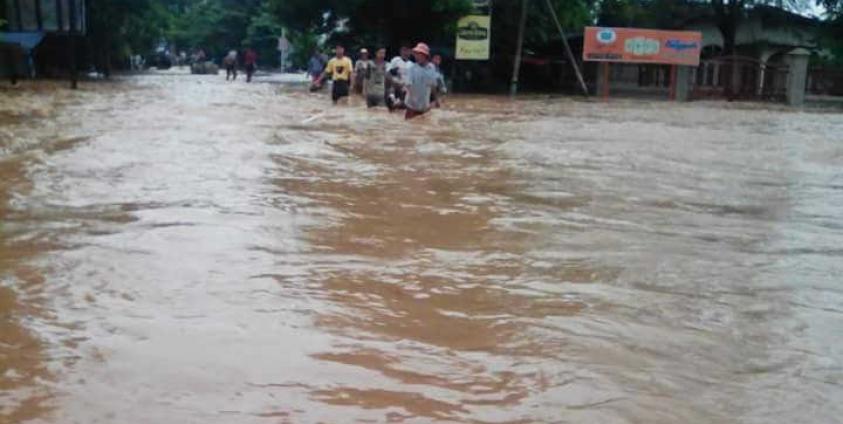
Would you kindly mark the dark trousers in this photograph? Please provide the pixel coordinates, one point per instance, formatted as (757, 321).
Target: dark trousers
(230, 72)
(339, 91)
(410, 114)
(374, 100)
(250, 71)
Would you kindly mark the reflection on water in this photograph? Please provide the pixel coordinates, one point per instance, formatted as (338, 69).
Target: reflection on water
(23, 370)
(179, 249)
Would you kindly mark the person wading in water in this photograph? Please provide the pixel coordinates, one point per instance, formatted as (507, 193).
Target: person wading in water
(360, 69)
(376, 81)
(421, 79)
(398, 69)
(230, 63)
(339, 68)
(315, 66)
(250, 59)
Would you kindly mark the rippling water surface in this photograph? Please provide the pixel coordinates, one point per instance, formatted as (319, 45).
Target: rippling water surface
(179, 249)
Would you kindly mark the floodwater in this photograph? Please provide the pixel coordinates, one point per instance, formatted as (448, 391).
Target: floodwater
(178, 249)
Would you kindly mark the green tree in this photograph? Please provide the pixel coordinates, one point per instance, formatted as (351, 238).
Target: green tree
(541, 29)
(541, 39)
(833, 34)
(117, 29)
(373, 22)
(215, 25)
(728, 14)
(262, 35)
(663, 14)
(304, 44)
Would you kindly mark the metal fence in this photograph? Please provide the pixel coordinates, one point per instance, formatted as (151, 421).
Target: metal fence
(740, 78)
(825, 81)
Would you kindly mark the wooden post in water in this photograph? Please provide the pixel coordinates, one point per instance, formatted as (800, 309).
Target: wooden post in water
(673, 81)
(605, 68)
(13, 69)
(74, 72)
(516, 67)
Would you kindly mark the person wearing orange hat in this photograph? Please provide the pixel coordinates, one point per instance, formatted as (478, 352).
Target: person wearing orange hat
(422, 78)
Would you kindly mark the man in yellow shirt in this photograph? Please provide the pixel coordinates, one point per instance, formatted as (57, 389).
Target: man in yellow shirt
(339, 68)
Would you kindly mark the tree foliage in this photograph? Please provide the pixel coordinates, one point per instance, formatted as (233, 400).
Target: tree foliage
(120, 28)
(215, 25)
(664, 14)
(369, 22)
(673, 13)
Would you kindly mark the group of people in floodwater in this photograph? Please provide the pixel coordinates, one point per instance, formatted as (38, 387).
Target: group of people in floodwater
(250, 62)
(412, 81)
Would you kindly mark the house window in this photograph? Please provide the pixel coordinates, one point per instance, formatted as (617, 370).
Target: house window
(63, 9)
(29, 15)
(49, 15)
(5, 14)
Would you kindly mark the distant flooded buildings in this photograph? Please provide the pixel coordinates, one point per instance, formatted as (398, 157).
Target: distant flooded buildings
(772, 53)
(40, 36)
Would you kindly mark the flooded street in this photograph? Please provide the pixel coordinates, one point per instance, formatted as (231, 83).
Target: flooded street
(176, 249)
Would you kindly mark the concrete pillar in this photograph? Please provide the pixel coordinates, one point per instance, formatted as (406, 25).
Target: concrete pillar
(797, 77)
(603, 79)
(715, 79)
(762, 71)
(11, 59)
(683, 83)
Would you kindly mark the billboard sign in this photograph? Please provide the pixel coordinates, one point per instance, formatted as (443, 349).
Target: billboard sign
(474, 36)
(632, 45)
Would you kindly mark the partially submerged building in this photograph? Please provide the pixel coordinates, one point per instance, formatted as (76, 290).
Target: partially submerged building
(49, 28)
(769, 42)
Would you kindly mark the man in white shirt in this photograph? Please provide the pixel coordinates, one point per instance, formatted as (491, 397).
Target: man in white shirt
(230, 63)
(398, 69)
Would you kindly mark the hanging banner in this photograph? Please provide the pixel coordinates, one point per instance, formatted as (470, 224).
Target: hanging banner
(634, 45)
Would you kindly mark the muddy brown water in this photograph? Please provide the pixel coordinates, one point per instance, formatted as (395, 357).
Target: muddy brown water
(177, 249)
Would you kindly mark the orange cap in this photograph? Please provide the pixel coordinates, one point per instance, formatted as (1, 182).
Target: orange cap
(423, 49)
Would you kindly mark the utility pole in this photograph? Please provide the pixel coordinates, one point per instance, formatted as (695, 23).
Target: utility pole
(568, 50)
(516, 67)
(11, 59)
(74, 71)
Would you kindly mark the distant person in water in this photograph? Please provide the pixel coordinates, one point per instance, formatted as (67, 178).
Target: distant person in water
(360, 69)
(376, 82)
(250, 59)
(230, 63)
(420, 82)
(398, 69)
(340, 69)
(441, 88)
(315, 67)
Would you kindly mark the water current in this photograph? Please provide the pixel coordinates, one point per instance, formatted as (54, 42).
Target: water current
(178, 249)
